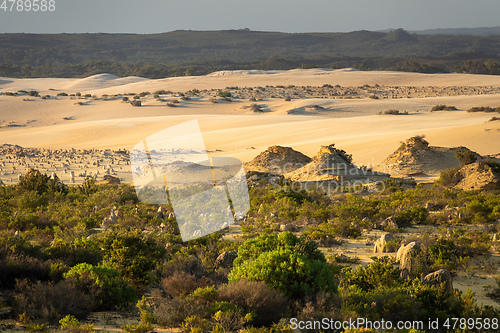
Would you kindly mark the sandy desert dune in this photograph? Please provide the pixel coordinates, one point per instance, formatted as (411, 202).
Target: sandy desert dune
(314, 117)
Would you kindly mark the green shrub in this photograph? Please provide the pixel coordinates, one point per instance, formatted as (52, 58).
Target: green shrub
(223, 94)
(380, 273)
(62, 94)
(285, 262)
(481, 109)
(132, 254)
(443, 251)
(288, 271)
(442, 107)
(253, 248)
(81, 250)
(449, 177)
(412, 215)
(69, 322)
(147, 319)
(34, 180)
(392, 112)
(105, 285)
(466, 157)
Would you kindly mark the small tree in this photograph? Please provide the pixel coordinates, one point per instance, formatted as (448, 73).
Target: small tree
(286, 263)
(34, 181)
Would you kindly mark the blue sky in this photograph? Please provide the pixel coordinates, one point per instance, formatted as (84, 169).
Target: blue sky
(153, 16)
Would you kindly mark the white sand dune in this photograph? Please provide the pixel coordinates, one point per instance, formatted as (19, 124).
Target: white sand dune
(102, 81)
(350, 123)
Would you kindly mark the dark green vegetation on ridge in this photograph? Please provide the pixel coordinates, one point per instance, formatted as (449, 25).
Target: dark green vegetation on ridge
(201, 52)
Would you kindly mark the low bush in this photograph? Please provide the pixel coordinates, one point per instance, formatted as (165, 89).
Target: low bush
(392, 112)
(182, 283)
(267, 304)
(442, 107)
(51, 302)
(15, 267)
(224, 94)
(449, 177)
(481, 109)
(107, 289)
(466, 157)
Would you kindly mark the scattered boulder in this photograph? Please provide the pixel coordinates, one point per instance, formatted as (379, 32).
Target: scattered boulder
(382, 244)
(111, 180)
(389, 222)
(342, 258)
(111, 219)
(136, 103)
(225, 259)
(438, 278)
(159, 213)
(412, 259)
(431, 206)
(287, 227)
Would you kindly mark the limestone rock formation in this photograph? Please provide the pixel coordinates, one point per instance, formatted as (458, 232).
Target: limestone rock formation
(111, 180)
(331, 164)
(479, 176)
(439, 277)
(111, 219)
(415, 156)
(383, 245)
(389, 222)
(287, 227)
(412, 259)
(277, 160)
(226, 259)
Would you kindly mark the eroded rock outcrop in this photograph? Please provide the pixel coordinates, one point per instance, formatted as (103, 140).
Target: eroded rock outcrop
(415, 156)
(412, 259)
(384, 244)
(439, 277)
(277, 160)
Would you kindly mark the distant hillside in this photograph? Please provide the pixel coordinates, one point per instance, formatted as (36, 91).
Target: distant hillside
(484, 31)
(198, 52)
